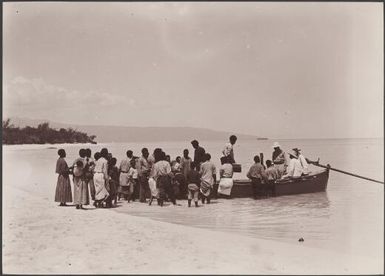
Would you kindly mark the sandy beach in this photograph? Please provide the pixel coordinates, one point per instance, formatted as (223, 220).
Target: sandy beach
(40, 237)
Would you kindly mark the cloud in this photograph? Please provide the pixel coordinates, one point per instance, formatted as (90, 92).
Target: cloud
(37, 94)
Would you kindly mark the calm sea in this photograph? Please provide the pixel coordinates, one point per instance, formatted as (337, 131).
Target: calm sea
(349, 217)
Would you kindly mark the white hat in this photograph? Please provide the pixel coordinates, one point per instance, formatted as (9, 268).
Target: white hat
(293, 153)
(276, 145)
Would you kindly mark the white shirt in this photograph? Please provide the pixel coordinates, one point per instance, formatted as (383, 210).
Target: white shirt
(294, 169)
(133, 172)
(304, 164)
(207, 171)
(228, 150)
(161, 168)
(101, 166)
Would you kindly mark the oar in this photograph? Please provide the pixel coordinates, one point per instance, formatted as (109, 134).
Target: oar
(341, 171)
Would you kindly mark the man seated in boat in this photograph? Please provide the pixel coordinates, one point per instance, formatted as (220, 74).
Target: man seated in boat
(302, 160)
(280, 159)
(294, 170)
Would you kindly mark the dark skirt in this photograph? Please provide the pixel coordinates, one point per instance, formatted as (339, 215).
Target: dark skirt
(63, 189)
(112, 187)
(124, 190)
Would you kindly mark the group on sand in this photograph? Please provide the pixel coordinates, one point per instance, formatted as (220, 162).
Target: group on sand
(155, 177)
(147, 177)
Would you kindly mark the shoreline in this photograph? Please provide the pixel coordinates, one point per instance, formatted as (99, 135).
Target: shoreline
(40, 237)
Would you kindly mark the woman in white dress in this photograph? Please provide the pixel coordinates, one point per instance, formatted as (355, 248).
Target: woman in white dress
(100, 177)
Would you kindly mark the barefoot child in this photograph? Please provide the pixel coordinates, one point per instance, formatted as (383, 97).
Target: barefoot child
(193, 180)
(113, 182)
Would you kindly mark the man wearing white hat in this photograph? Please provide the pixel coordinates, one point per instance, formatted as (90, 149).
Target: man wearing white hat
(280, 159)
(295, 168)
(302, 160)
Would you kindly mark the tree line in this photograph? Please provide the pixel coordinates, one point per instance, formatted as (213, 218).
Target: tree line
(42, 134)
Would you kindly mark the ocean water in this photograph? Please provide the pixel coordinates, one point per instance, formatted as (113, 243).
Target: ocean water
(348, 217)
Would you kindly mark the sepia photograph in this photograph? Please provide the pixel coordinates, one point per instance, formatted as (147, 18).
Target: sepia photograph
(238, 138)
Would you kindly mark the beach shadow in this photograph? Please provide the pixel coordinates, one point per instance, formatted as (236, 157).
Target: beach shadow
(87, 209)
(212, 202)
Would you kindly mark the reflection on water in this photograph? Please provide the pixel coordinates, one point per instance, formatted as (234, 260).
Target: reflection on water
(276, 218)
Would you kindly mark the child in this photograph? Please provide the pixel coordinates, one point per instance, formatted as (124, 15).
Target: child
(80, 186)
(135, 188)
(180, 189)
(113, 183)
(185, 163)
(133, 179)
(193, 180)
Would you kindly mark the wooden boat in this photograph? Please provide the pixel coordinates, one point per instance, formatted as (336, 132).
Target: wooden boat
(312, 183)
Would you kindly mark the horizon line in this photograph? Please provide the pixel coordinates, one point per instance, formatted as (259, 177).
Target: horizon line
(209, 129)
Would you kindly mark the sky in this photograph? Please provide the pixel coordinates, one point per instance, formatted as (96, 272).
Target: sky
(277, 70)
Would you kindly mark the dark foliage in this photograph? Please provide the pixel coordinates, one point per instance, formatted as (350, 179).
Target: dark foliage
(43, 134)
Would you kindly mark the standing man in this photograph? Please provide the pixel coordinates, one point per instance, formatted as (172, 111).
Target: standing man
(143, 174)
(257, 175)
(124, 168)
(199, 154)
(208, 174)
(228, 151)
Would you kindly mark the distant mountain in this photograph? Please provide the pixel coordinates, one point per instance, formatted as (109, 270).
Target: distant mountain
(105, 134)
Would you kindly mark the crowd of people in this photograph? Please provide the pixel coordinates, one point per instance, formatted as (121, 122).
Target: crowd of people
(155, 177)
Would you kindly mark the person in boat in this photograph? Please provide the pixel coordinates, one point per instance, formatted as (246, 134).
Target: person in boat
(226, 177)
(63, 192)
(199, 154)
(294, 170)
(228, 151)
(257, 175)
(113, 183)
(162, 176)
(124, 168)
(144, 170)
(272, 175)
(185, 163)
(81, 196)
(193, 180)
(302, 160)
(90, 164)
(101, 177)
(280, 159)
(208, 173)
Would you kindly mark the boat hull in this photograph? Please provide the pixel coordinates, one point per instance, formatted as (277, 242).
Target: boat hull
(315, 182)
